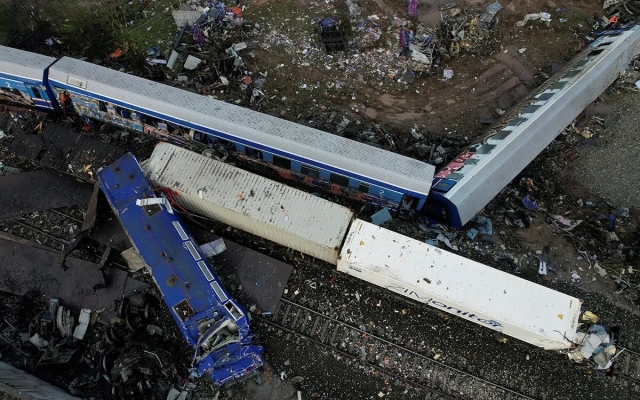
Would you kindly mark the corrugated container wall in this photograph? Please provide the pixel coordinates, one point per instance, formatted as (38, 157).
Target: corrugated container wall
(454, 284)
(257, 205)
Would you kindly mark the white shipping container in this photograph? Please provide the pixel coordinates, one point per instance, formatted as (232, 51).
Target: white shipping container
(247, 201)
(454, 284)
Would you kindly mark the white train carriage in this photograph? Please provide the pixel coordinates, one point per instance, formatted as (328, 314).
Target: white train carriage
(467, 184)
(459, 286)
(257, 205)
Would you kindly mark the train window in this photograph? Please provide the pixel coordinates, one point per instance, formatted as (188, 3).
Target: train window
(545, 96)
(198, 136)
(253, 153)
(530, 109)
(233, 310)
(124, 113)
(281, 162)
(152, 209)
(363, 187)
(183, 310)
(36, 92)
(571, 73)
(310, 171)
(339, 179)
(226, 144)
(102, 106)
(220, 293)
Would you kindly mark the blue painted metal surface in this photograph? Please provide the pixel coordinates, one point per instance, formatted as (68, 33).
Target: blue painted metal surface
(211, 322)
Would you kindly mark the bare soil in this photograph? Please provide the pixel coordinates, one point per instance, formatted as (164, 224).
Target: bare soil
(482, 84)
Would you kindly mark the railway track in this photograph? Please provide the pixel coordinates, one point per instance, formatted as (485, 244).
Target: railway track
(415, 368)
(54, 228)
(59, 230)
(628, 366)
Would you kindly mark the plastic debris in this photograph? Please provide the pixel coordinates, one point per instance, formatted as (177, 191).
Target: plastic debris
(484, 225)
(446, 241)
(542, 268)
(381, 217)
(488, 18)
(38, 341)
(172, 59)
(4, 170)
(601, 271)
(588, 316)
(569, 225)
(447, 73)
(529, 203)
(575, 277)
(623, 212)
(527, 18)
(83, 324)
(472, 233)
(192, 62)
(213, 248)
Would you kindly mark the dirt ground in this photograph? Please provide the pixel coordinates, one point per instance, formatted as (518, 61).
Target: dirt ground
(481, 84)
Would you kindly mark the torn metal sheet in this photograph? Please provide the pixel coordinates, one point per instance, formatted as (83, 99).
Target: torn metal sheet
(90, 217)
(33, 191)
(25, 268)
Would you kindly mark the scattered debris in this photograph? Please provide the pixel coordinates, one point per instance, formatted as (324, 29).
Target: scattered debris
(192, 62)
(596, 346)
(213, 248)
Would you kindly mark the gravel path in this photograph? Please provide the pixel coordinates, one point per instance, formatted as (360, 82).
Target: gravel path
(608, 167)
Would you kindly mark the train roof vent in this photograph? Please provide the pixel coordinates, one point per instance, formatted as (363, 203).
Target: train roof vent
(77, 82)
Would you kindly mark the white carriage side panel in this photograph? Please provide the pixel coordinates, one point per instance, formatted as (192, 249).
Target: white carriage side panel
(276, 133)
(23, 64)
(247, 201)
(484, 181)
(451, 283)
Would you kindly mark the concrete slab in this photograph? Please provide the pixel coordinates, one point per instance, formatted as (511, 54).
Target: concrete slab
(262, 278)
(33, 191)
(259, 280)
(25, 268)
(27, 145)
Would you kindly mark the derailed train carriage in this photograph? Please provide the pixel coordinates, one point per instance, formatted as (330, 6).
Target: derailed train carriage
(468, 183)
(213, 323)
(319, 159)
(440, 279)
(296, 152)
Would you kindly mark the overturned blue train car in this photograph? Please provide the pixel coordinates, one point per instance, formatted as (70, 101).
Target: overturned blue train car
(214, 324)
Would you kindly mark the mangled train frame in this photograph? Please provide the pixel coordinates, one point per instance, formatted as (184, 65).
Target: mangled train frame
(213, 323)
